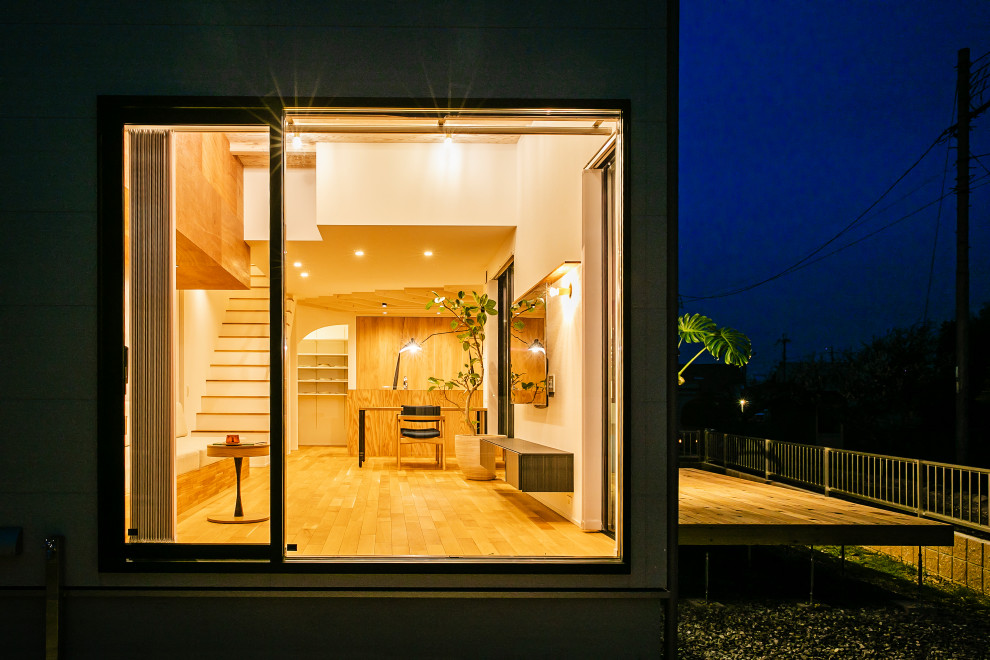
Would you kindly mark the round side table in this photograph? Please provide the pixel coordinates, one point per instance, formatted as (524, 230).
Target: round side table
(237, 452)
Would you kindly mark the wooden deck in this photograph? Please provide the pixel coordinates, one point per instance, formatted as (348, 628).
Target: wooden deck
(720, 510)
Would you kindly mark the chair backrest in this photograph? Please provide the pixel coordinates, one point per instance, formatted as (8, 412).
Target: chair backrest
(420, 410)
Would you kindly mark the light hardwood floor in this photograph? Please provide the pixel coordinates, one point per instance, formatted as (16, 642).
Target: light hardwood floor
(334, 508)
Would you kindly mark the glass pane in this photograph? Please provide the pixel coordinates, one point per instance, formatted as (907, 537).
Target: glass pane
(388, 218)
(198, 336)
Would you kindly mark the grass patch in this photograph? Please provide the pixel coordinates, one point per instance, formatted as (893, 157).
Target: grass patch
(892, 575)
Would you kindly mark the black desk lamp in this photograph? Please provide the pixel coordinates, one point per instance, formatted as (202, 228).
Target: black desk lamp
(415, 347)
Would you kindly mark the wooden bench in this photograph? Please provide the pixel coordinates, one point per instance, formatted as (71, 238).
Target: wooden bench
(531, 467)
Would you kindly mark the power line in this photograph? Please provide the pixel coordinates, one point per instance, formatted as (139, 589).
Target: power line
(938, 218)
(983, 181)
(859, 218)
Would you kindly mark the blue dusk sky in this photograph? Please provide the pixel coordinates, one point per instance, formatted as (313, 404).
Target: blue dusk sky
(795, 117)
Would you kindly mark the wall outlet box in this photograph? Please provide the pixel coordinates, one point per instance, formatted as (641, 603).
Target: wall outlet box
(550, 384)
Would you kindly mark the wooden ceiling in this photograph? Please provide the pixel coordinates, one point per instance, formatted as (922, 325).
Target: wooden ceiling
(394, 268)
(398, 302)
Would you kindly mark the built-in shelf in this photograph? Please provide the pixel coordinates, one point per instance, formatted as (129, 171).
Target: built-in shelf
(322, 373)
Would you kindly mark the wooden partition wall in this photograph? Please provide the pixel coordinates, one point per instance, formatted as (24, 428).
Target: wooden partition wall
(377, 344)
(378, 340)
(210, 251)
(379, 425)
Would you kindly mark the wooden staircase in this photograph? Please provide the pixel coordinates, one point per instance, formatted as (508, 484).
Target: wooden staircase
(237, 385)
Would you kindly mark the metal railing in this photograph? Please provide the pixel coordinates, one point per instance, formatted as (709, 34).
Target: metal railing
(952, 493)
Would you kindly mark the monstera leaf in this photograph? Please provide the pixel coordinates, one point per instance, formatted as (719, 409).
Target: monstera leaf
(725, 344)
(694, 328)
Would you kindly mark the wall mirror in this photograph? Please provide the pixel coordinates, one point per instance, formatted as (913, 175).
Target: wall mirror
(529, 355)
(528, 352)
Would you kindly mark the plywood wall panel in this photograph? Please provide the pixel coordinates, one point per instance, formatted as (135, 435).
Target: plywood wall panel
(379, 339)
(380, 424)
(209, 214)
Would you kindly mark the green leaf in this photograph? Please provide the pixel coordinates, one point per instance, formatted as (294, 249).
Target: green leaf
(695, 328)
(518, 325)
(735, 346)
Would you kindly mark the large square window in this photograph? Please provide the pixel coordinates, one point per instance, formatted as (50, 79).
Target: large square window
(409, 348)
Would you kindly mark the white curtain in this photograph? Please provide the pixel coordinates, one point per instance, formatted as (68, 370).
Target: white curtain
(150, 352)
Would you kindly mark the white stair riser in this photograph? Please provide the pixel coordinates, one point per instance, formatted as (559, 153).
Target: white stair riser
(231, 423)
(245, 316)
(243, 343)
(254, 358)
(237, 388)
(259, 282)
(254, 294)
(235, 404)
(244, 330)
(223, 372)
(258, 304)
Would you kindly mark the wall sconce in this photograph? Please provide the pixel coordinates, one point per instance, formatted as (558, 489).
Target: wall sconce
(561, 290)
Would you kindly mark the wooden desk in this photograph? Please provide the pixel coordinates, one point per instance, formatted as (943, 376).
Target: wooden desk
(237, 452)
(481, 414)
(531, 467)
(380, 407)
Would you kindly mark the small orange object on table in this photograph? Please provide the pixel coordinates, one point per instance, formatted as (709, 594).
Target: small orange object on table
(237, 452)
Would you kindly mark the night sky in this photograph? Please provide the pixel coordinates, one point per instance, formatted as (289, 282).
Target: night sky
(795, 117)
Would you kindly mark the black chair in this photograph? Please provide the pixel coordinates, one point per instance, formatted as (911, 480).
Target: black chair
(420, 425)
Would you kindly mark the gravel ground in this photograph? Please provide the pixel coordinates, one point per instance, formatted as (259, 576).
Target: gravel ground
(788, 630)
(759, 608)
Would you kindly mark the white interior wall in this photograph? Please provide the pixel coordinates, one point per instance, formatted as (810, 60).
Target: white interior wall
(593, 268)
(415, 184)
(549, 183)
(299, 201)
(550, 232)
(201, 313)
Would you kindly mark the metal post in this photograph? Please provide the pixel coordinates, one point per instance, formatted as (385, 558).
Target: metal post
(826, 476)
(811, 578)
(766, 459)
(706, 576)
(921, 559)
(53, 595)
(361, 437)
(917, 487)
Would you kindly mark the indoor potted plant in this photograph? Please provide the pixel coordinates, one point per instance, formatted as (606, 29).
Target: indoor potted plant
(470, 312)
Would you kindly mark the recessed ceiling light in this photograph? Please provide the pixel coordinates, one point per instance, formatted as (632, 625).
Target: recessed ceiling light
(303, 274)
(428, 253)
(298, 264)
(358, 253)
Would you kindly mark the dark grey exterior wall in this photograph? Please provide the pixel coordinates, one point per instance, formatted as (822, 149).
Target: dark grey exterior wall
(55, 60)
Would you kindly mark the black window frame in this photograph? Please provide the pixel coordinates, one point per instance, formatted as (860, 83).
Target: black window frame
(115, 554)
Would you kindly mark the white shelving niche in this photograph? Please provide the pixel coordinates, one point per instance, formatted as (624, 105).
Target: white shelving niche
(321, 374)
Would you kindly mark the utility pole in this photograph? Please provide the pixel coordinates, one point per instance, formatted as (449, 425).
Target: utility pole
(962, 259)
(783, 341)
